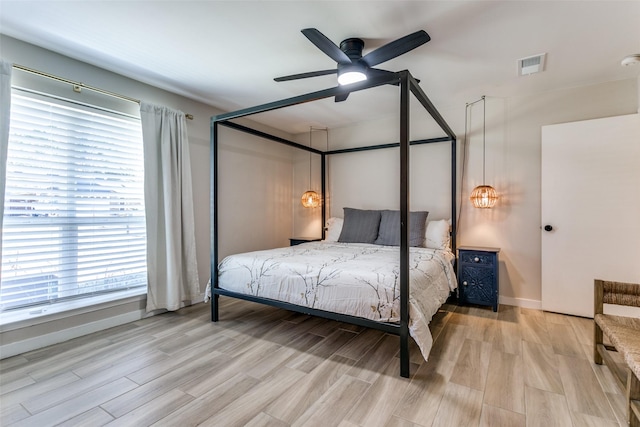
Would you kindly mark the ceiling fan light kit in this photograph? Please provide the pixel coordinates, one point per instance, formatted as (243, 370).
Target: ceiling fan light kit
(350, 75)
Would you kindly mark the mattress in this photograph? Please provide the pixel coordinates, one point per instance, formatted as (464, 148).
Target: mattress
(356, 279)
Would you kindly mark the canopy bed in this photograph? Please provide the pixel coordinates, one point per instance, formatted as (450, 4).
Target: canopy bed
(306, 298)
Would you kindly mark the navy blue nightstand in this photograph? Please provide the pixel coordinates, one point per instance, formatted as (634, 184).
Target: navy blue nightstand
(478, 281)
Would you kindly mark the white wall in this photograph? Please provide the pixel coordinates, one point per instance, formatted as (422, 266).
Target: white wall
(513, 138)
(255, 193)
(371, 179)
(515, 225)
(241, 156)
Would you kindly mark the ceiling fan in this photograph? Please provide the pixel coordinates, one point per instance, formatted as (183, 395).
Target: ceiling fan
(352, 66)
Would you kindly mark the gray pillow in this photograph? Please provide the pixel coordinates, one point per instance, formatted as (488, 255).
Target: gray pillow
(360, 226)
(389, 231)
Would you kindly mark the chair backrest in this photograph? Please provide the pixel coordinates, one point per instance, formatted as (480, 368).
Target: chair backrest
(618, 293)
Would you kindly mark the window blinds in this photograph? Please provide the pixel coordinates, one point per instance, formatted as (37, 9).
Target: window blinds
(74, 222)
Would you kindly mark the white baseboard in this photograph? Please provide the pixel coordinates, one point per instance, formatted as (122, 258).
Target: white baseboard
(521, 302)
(19, 347)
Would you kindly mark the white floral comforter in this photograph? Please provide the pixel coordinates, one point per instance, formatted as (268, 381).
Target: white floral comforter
(357, 279)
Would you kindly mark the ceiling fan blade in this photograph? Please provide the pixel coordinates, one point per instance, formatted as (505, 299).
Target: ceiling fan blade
(376, 72)
(343, 97)
(327, 46)
(396, 48)
(305, 75)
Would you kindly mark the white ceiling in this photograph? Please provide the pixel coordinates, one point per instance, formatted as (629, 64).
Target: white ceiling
(226, 53)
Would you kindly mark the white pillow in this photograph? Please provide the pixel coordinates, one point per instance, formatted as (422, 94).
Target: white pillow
(334, 228)
(437, 234)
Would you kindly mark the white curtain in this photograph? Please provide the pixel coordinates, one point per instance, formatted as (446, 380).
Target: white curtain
(171, 244)
(5, 113)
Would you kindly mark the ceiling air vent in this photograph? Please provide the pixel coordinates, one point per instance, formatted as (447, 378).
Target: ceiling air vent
(531, 64)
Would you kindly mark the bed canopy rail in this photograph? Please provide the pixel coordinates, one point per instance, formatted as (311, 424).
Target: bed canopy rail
(408, 85)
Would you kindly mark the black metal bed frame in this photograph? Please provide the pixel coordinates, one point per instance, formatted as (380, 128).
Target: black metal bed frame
(408, 85)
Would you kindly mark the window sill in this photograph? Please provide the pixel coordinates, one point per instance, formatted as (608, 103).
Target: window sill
(16, 319)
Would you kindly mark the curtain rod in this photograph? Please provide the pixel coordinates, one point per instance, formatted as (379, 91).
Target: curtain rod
(77, 86)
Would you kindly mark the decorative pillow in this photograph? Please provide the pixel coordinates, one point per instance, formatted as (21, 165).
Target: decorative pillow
(389, 232)
(437, 235)
(360, 226)
(334, 228)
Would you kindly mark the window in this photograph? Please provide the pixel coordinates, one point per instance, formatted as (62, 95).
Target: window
(74, 223)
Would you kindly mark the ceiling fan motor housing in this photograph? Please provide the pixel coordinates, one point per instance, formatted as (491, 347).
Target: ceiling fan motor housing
(352, 48)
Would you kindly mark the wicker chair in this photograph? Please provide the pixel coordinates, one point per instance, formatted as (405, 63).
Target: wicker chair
(624, 334)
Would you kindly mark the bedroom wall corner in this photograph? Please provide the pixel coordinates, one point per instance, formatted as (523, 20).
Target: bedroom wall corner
(255, 193)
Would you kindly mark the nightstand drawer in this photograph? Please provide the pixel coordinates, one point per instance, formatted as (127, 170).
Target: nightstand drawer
(476, 257)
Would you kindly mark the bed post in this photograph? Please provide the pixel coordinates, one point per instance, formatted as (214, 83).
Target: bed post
(454, 189)
(404, 224)
(323, 165)
(214, 220)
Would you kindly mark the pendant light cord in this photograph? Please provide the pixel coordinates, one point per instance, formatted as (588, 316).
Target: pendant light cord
(310, 132)
(484, 127)
(466, 147)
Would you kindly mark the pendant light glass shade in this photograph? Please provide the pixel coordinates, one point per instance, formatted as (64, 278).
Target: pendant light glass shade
(310, 199)
(484, 196)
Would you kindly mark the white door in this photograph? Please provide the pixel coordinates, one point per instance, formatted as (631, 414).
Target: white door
(591, 199)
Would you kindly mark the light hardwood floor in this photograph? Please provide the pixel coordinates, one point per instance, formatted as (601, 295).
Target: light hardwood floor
(261, 366)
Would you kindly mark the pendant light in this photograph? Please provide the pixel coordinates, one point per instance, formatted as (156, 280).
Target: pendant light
(483, 196)
(310, 199)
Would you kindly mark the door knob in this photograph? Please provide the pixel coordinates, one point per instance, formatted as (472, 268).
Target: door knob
(548, 227)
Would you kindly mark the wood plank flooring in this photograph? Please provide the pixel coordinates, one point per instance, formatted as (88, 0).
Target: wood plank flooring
(261, 366)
